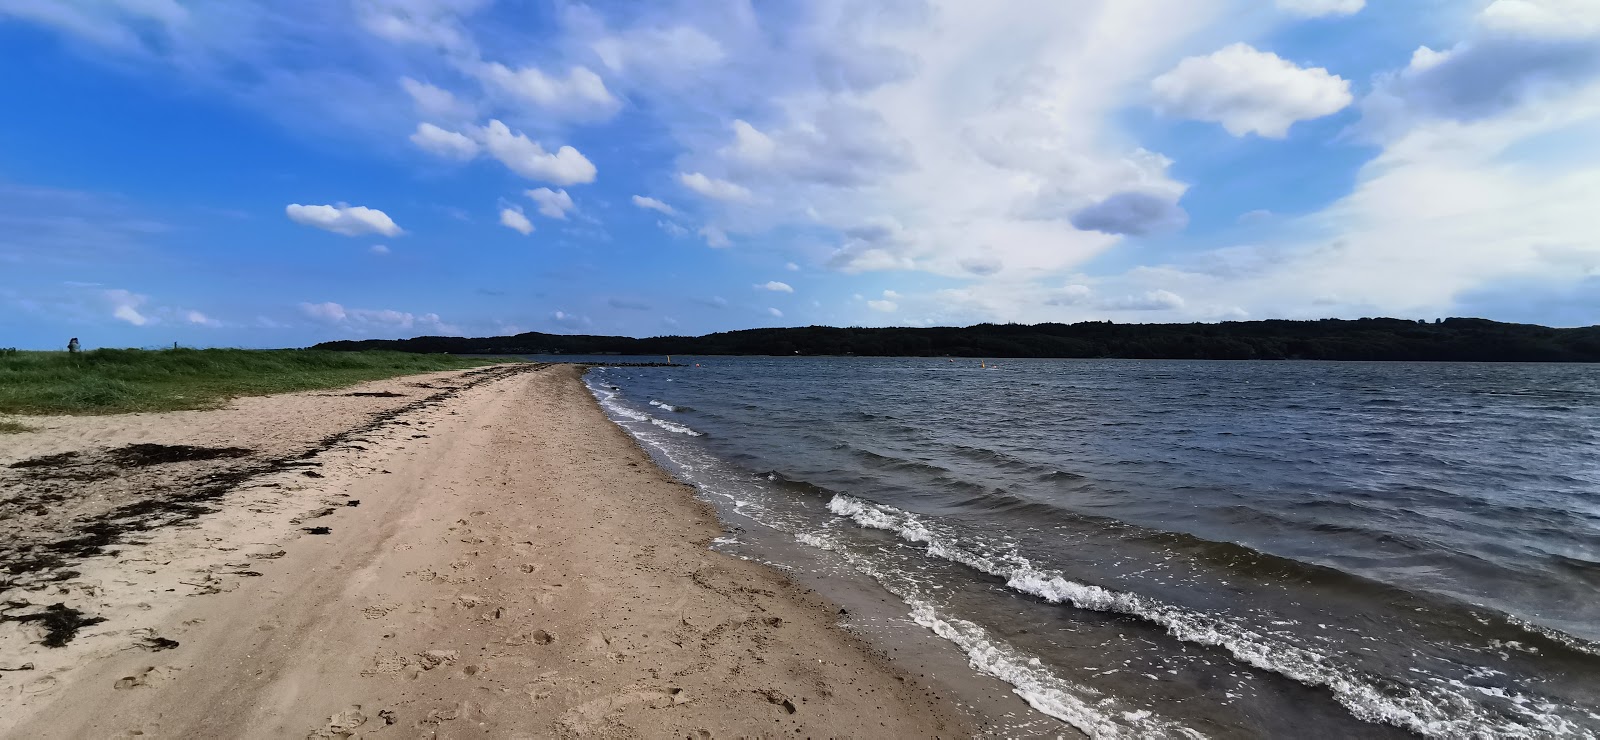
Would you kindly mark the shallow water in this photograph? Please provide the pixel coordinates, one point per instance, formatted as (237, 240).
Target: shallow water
(1175, 548)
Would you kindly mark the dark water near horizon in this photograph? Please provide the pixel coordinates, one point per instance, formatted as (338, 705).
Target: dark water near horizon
(1171, 548)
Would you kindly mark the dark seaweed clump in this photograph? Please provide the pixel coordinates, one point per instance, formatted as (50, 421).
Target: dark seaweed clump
(61, 622)
(141, 455)
(377, 394)
(46, 461)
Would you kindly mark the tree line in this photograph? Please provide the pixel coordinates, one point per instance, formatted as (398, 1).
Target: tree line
(1448, 340)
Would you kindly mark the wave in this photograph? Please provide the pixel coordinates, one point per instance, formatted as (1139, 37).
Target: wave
(1433, 711)
(663, 406)
(1085, 708)
(607, 395)
(675, 427)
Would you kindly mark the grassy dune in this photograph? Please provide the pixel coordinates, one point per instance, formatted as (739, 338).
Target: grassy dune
(112, 381)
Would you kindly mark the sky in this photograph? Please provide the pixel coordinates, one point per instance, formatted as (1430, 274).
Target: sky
(278, 173)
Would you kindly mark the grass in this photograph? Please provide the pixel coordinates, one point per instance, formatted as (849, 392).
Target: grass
(113, 381)
(11, 427)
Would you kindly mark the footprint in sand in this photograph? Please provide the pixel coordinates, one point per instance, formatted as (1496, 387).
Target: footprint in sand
(341, 725)
(150, 676)
(40, 686)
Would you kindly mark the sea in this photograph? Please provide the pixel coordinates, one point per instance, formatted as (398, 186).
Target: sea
(1138, 548)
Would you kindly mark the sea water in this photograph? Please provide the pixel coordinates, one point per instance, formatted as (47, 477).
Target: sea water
(1174, 548)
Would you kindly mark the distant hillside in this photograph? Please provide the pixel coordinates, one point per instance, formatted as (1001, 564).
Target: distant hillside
(1450, 340)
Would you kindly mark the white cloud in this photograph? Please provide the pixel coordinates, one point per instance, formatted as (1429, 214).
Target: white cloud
(552, 203)
(1248, 91)
(200, 319)
(672, 229)
(883, 306)
(775, 287)
(791, 267)
(343, 219)
(568, 320)
(1069, 295)
(664, 55)
(436, 102)
(580, 94)
(432, 23)
(715, 237)
(385, 320)
(1519, 52)
(1155, 300)
(330, 312)
(528, 159)
(1548, 19)
(450, 144)
(775, 312)
(125, 306)
(379, 249)
(979, 142)
(649, 203)
(1319, 8)
(711, 187)
(512, 218)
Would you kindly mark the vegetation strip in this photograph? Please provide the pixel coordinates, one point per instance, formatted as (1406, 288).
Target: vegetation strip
(109, 381)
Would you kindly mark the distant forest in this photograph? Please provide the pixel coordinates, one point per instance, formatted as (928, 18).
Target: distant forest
(1448, 340)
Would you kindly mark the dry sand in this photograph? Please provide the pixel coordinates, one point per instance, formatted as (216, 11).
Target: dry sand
(484, 554)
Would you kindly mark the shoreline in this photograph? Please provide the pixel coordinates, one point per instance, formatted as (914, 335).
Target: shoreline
(503, 560)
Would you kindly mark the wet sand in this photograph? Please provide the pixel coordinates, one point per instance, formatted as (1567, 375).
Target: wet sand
(487, 555)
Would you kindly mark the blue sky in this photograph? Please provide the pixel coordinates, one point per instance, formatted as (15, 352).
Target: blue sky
(281, 173)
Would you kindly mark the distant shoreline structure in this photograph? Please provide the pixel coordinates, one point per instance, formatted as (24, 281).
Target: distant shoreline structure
(1373, 339)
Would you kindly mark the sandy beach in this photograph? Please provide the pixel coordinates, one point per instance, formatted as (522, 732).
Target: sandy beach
(466, 553)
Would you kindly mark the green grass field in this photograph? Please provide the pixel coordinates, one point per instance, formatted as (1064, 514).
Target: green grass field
(113, 381)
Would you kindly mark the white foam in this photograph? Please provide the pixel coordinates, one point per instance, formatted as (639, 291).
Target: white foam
(663, 406)
(1440, 710)
(674, 427)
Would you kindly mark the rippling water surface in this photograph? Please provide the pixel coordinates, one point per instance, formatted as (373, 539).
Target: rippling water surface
(1149, 548)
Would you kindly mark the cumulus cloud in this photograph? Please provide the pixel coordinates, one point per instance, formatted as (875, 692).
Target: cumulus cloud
(672, 229)
(1519, 52)
(199, 319)
(125, 306)
(449, 144)
(376, 320)
(569, 320)
(1249, 91)
(1069, 295)
(715, 237)
(775, 287)
(512, 218)
(662, 54)
(839, 144)
(329, 311)
(343, 219)
(775, 312)
(888, 304)
(1319, 8)
(714, 188)
(1155, 300)
(791, 267)
(652, 204)
(552, 203)
(527, 158)
(579, 94)
(715, 301)
(1133, 214)
(436, 102)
